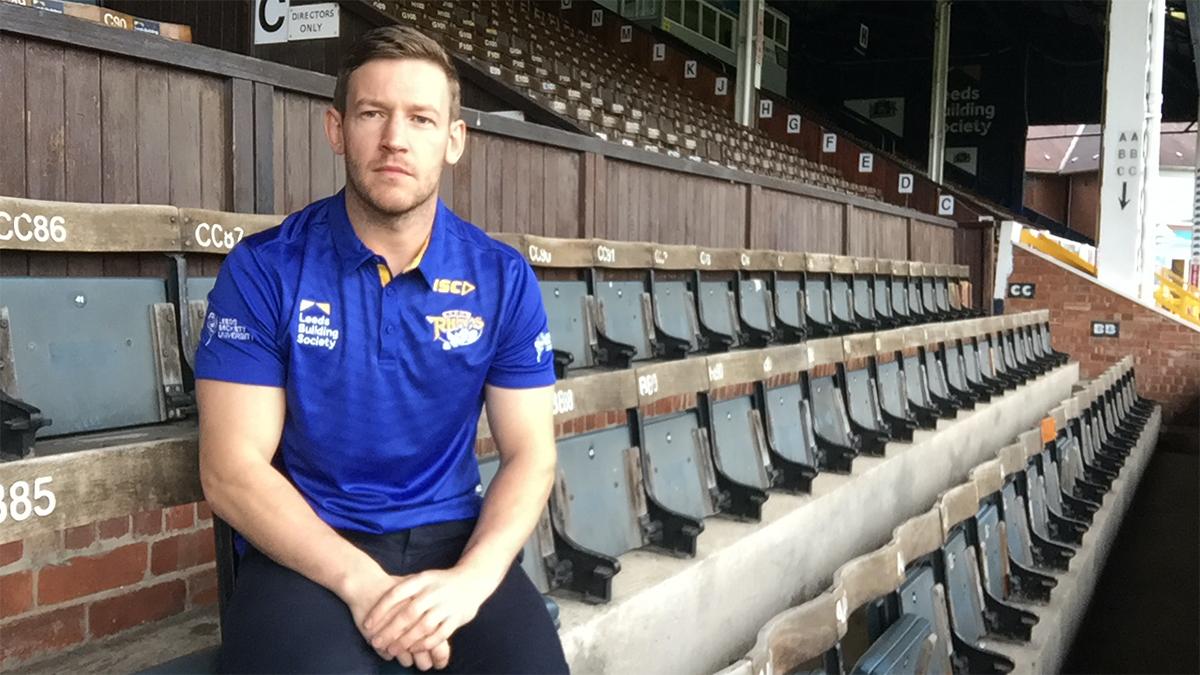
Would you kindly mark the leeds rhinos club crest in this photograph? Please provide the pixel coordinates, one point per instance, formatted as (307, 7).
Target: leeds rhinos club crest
(456, 328)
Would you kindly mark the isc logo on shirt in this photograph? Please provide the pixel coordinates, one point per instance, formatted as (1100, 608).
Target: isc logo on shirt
(453, 286)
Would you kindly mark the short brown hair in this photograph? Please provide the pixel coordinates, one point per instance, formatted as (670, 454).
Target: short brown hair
(396, 42)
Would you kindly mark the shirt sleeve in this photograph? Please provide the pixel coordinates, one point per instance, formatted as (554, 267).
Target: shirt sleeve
(524, 354)
(239, 342)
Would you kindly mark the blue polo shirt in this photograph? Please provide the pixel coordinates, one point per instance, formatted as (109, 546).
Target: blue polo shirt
(384, 379)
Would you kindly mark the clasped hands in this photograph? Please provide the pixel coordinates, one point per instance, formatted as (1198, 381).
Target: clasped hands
(411, 618)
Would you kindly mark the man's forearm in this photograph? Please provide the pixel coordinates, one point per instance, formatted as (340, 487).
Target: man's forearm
(511, 509)
(264, 507)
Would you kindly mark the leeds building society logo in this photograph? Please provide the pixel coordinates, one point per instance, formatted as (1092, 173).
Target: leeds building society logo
(316, 325)
(543, 345)
(456, 328)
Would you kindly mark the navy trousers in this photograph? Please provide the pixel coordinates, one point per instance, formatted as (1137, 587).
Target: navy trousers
(281, 622)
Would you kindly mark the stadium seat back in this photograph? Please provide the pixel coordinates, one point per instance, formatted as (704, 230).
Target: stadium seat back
(789, 418)
(789, 303)
(717, 310)
(907, 646)
(881, 295)
(674, 310)
(991, 545)
(921, 595)
(1016, 525)
(756, 306)
(93, 353)
(624, 314)
(963, 588)
(818, 300)
(829, 410)
(567, 310)
(679, 473)
(893, 390)
(597, 497)
(737, 445)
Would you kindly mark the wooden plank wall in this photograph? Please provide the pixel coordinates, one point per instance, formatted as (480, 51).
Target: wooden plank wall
(507, 185)
(930, 243)
(304, 165)
(877, 235)
(787, 222)
(104, 128)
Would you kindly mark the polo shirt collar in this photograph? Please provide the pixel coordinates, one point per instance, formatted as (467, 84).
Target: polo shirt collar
(353, 253)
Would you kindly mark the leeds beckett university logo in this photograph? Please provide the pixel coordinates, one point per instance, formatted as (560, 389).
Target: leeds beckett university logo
(456, 328)
(224, 328)
(543, 345)
(315, 327)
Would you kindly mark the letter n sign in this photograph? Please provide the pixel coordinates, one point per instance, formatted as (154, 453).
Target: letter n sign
(597, 18)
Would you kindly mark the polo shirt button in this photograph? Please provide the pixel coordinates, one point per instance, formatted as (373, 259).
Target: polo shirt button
(390, 291)
(389, 329)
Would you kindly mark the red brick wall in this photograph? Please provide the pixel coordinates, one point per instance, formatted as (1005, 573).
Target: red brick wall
(70, 587)
(1166, 354)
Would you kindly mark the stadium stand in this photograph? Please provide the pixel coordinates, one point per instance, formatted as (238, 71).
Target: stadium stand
(684, 433)
(760, 376)
(993, 578)
(569, 71)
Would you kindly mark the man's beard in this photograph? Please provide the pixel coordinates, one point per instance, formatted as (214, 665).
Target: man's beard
(383, 212)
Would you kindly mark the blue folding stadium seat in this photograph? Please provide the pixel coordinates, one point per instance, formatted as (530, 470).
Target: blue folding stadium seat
(94, 353)
(916, 305)
(898, 284)
(936, 373)
(791, 310)
(862, 291)
(756, 311)
(881, 294)
(836, 441)
(790, 434)
(676, 327)
(679, 468)
(920, 398)
(898, 413)
(862, 395)
(841, 295)
(742, 441)
(903, 648)
(818, 297)
(928, 294)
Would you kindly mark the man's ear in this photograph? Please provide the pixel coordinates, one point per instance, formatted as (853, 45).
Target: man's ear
(333, 130)
(458, 142)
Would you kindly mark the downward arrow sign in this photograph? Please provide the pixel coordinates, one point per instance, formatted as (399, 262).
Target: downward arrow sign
(1124, 200)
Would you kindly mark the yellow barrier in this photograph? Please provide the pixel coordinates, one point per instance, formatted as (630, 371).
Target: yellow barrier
(1056, 250)
(1176, 298)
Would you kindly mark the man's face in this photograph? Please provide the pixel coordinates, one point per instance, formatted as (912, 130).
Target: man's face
(396, 133)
